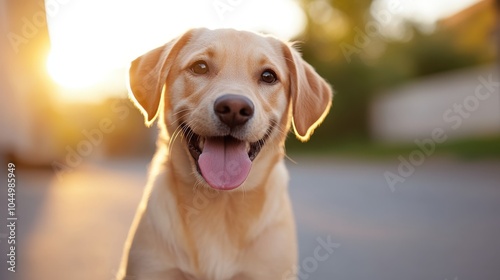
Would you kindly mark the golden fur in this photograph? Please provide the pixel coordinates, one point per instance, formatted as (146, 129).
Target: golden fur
(184, 229)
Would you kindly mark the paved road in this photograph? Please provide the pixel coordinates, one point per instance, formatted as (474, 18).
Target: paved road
(442, 223)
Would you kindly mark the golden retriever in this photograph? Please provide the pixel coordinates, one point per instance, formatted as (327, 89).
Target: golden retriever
(216, 206)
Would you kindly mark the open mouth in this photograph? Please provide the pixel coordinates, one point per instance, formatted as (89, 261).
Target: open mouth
(223, 161)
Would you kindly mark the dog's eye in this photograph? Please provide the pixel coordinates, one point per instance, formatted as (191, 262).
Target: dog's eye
(268, 76)
(199, 67)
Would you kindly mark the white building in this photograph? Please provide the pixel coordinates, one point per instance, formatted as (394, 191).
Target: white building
(464, 103)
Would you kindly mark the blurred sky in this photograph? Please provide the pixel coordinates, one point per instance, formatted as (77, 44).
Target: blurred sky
(93, 41)
(429, 11)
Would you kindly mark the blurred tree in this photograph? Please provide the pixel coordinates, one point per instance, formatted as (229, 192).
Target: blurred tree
(351, 45)
(330, 23)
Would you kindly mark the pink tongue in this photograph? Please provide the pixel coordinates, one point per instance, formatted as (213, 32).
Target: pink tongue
(224, 162)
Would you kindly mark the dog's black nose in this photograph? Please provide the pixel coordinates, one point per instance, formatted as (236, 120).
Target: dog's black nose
(233, 109)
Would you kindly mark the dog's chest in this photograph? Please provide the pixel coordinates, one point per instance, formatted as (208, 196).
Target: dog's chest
(212, 256)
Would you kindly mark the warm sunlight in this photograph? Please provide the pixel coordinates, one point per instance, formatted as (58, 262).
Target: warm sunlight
(73, 74)
(427, 12)
(92, 39)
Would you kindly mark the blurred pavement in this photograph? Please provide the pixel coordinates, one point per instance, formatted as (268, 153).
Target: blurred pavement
(442, 223)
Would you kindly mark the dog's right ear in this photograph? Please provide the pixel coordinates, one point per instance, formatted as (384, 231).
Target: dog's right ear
(148, 74)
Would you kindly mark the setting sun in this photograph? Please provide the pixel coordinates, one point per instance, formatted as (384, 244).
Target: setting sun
(93, 39)
(75, 73)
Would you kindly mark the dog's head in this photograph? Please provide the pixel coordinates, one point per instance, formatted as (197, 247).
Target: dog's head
(231, 95)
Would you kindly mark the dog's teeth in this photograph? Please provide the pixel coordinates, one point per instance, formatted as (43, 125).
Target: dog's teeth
(201, 143)
(248, 146)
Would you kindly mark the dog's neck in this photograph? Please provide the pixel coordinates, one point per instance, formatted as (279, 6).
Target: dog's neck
(232, 218)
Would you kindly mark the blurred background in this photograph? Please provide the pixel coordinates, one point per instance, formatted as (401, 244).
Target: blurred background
(403, 175)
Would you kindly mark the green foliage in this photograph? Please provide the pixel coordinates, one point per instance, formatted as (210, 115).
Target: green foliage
(436, 53)
(465, 149)
(358, 79)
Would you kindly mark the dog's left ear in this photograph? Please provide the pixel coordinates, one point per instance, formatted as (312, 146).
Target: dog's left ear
(311, 95)
(148, 74)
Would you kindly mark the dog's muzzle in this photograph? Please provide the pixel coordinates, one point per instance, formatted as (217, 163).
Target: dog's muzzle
(225, 161)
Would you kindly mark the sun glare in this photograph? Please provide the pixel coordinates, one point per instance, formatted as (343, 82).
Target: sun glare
(74, 73)
(93, 38)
